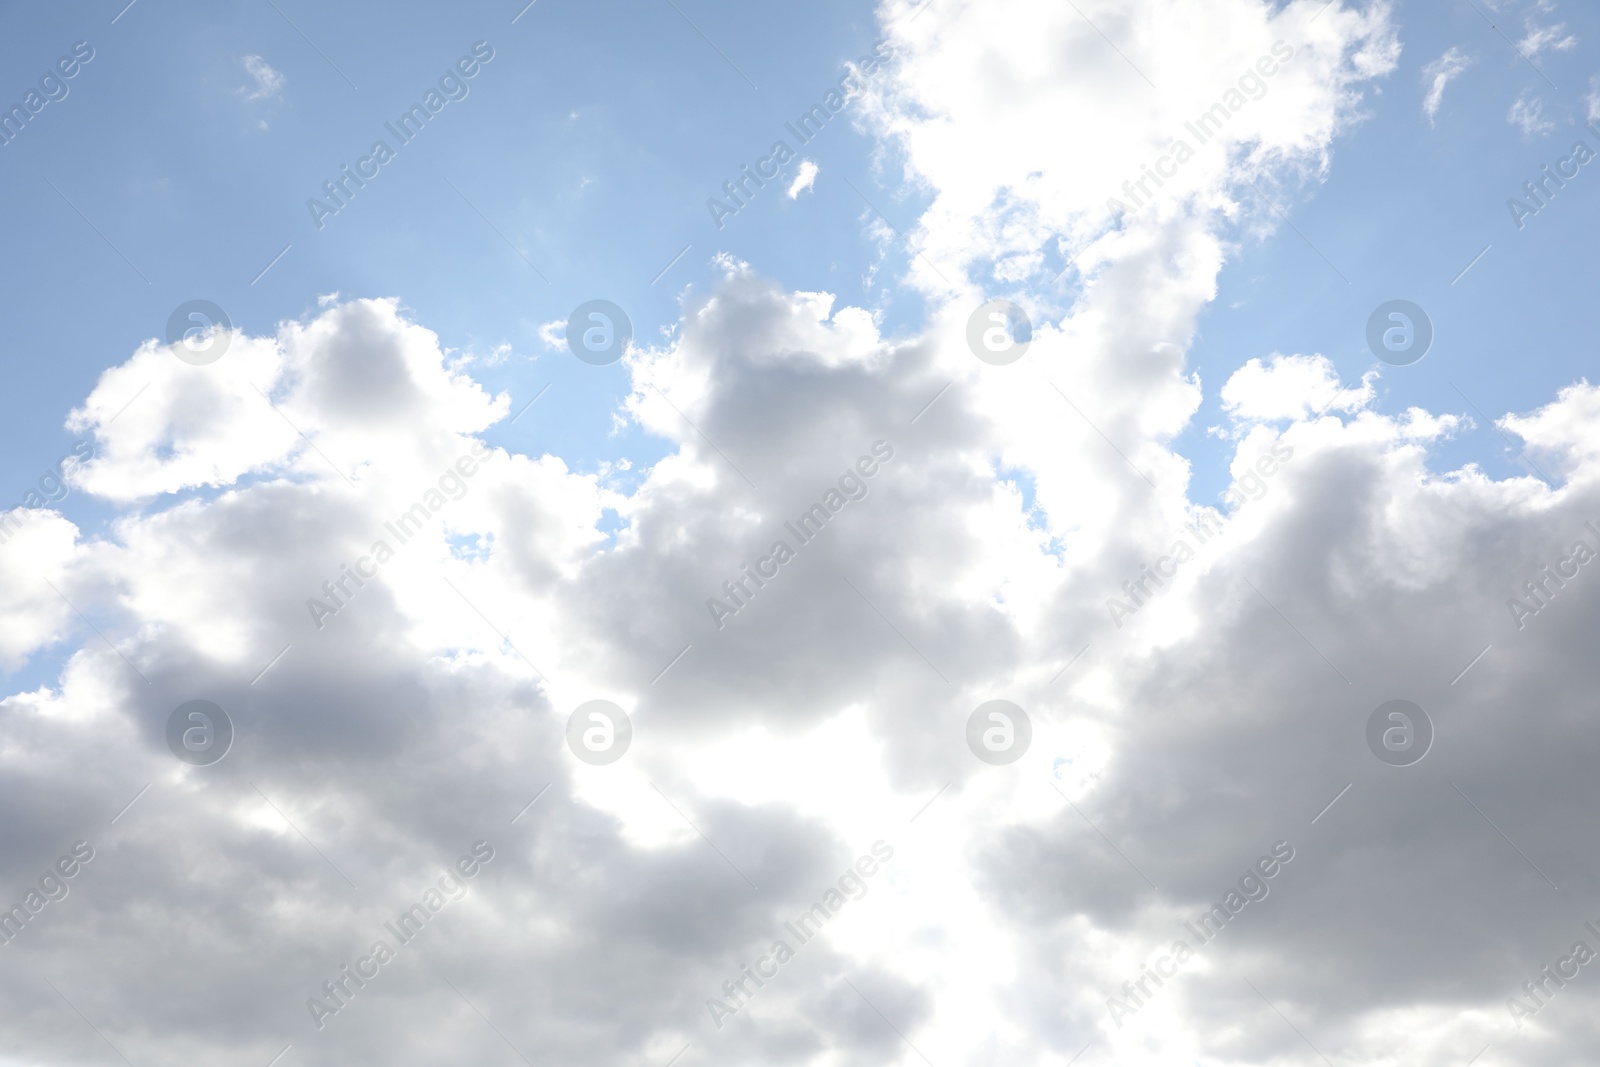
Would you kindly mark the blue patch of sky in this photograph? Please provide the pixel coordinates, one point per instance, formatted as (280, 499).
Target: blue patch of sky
(1405, 207)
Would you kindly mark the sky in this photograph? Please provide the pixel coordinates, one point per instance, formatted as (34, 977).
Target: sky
(685, 533)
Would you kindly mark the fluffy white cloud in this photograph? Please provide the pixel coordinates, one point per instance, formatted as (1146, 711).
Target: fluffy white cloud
(984, 532)
(1288, 387)
(38, 549)
(356, 381)
(410, 725)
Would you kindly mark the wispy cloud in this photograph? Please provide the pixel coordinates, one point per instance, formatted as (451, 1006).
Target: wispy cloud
(1528, 113)
(1437, 75)
(268, 81)
(1547, 38)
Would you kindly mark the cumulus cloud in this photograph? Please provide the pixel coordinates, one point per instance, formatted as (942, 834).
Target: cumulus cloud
(1001, 198)
(1291, 387)
(352, 377)
(39, 548)
(1198, 683)
(461, 667)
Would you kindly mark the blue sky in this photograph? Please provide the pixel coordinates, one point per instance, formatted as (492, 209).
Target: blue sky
(1405, 208)
(601, 180)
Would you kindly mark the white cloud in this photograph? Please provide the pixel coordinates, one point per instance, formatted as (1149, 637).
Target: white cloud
(1561, 435)
(1001, 195)
(805, 176)
(356, 374)
(1437, 75)
(268, 82)
(1546, 38)
(1528, 115)
(200, 595)
(1291, 387)
(553, 333)
(38, 551)
(1216, 719)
